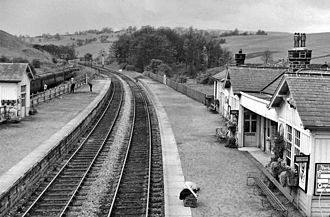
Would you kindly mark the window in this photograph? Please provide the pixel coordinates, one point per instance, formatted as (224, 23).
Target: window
(23, 88)
(250, 122)
(23, 95)
(288, 144)
(293, 144)
(297, 138)
(296, 146)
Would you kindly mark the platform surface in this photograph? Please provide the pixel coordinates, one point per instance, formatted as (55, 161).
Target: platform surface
(25, 143)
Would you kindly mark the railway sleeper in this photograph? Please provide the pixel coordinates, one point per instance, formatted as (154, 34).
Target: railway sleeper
(69, 175)
(58, 198)
(126, 210)
(44, 213)
(134, 184)
(131, 190)
(47, 205)
(137, 172)
(76, 169)
(136, 204)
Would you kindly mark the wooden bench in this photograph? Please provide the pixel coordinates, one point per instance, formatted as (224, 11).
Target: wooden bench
(274, 201)
(212, 108)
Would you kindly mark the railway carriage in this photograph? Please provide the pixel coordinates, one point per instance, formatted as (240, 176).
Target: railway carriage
(52, 79)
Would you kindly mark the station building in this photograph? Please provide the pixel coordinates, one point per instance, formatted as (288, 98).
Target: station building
(15, 88)
(293, 101)
(239, 96)
(302, 102)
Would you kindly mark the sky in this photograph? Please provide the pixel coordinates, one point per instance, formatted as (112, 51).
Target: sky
(35, 17)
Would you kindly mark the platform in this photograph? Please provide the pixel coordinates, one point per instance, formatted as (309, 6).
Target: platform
(25, 143)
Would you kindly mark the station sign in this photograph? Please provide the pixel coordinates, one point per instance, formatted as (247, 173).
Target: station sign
(234, 112)
(322, 179)
(301, 158)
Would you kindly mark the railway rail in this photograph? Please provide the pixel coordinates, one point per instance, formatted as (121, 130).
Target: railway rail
(132, 193)
(136, 185)
(59, 194)
(140, 189)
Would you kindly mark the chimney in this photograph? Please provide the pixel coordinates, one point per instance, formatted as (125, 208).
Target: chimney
(299, 56)
(240, 58)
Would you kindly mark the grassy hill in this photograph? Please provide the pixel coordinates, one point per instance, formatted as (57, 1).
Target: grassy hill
(279, 44)
(83, 43)
(12, 47)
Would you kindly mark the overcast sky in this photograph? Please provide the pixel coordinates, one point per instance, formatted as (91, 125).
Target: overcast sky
(34, 17)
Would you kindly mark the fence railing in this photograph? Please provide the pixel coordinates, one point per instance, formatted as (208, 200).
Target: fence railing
(59, 90)
(184, 89)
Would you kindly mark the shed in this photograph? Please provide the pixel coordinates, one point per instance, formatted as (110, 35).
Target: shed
(15, 88)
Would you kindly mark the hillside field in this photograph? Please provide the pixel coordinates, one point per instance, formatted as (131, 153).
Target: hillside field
(12, 47)
(279, 44)
(94, 47)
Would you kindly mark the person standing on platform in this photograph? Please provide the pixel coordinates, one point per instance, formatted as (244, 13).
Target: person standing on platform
(90, 85)
(72, 86)
(45, 87)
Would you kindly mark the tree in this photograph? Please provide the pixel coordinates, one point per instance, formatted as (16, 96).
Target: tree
(57, 36)
(36, 63)
(190, 50)
(88, 57)
(4, 59)
(267, 57)
(261, 32)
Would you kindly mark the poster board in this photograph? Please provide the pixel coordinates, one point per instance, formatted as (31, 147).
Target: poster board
(303, 161)
(322, 179)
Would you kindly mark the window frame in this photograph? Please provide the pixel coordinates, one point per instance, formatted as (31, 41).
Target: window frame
(293, 145)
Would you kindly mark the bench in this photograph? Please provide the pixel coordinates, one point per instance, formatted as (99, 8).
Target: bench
(221, 133)
(212, 108)
(274, 201)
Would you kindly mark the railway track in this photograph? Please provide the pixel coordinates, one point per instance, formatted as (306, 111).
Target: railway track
(140, 187)
(132, 192)
(58, 196)
(135, 187)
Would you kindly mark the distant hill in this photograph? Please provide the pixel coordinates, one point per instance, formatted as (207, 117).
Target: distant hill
(278, 43)
(12, 47)
(83, 43)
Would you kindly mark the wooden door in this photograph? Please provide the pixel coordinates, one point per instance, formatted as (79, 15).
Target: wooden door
(250, 129)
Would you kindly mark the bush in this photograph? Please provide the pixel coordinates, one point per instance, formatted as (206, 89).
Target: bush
(130, 68)
(36, 63)
(4, 59)
(19, 60)
(164, 69)
(231, 143)
(181, 79)
(54, 60)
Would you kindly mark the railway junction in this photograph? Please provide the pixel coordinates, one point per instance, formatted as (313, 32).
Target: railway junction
(190, 152)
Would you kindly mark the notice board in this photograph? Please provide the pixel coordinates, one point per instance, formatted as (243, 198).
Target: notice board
(322, 179)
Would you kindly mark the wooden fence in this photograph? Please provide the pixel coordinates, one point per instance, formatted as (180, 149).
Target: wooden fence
(59, 90)
(184, 89)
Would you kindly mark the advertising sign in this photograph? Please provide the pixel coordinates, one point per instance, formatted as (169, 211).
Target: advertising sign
(234, 112)
(322, 179)
(303, 161)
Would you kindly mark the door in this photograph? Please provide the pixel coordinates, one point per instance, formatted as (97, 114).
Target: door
(250, 129)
